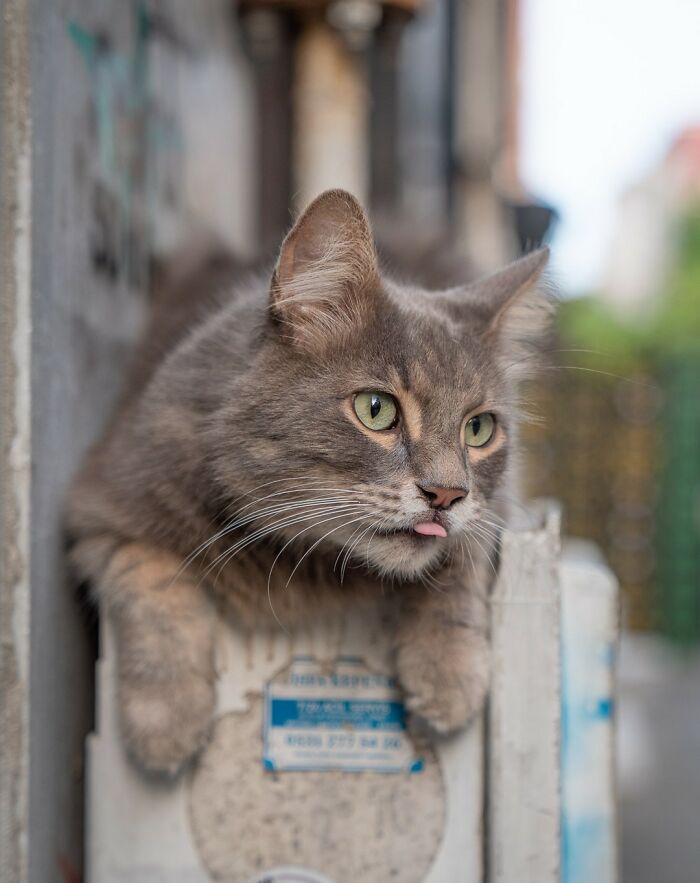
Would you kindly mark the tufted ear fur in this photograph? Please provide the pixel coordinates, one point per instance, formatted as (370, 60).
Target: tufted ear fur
(326, 270)
(516, 309)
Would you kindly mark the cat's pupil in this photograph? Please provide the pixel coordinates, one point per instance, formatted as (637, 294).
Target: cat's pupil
(375, 406)
(476, 425)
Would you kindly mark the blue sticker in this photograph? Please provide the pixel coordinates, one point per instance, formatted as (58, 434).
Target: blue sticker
(343, 718)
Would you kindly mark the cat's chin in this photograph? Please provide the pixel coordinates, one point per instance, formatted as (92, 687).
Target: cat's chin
(405, 556)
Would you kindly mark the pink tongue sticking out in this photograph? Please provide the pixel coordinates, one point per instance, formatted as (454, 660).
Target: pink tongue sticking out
(430, 529)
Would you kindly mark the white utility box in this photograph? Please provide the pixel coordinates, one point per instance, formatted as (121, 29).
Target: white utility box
(314, 775)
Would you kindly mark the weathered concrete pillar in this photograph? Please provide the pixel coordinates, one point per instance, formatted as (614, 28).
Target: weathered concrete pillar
(331, 115)
(483, 232)
(15, 438)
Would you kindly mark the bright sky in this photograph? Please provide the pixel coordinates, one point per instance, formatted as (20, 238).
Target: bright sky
(606, 85)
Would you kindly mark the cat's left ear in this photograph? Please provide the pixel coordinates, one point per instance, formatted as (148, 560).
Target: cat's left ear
(326, 270)
(516, 308)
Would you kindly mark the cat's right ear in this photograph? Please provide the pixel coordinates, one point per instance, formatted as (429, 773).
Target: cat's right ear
(326, 271)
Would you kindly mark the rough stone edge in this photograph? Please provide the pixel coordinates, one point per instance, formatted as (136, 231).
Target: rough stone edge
(15, 425)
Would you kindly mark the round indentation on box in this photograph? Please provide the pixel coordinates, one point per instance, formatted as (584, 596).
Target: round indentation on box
(368, 826)
(289, 875)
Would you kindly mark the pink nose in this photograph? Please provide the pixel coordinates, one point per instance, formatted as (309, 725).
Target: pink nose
(443, 497)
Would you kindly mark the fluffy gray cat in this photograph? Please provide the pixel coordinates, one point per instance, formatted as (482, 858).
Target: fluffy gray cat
(292, 447)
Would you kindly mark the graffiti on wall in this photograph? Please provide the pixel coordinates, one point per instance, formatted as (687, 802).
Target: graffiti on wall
(137, 144)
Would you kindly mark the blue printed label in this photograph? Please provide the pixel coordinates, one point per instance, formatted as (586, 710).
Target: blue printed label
(349, 718)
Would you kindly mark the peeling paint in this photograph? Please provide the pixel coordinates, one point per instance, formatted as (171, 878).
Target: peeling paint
(129, 125)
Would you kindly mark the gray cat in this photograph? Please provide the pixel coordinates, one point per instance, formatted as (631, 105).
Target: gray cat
(291, 448)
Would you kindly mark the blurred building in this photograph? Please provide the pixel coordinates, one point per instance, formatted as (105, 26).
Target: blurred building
(621, 431)
(642, 249)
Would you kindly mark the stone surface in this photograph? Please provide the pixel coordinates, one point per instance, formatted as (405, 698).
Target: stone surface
(372, 827)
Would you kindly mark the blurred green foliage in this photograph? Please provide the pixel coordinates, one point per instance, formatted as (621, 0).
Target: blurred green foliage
(595, 328)
(638, 496)
(678, 322)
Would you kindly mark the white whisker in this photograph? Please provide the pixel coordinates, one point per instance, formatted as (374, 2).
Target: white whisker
(311, 548)
(272, 528)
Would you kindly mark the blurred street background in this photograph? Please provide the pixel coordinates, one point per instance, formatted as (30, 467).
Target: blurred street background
(610, 123)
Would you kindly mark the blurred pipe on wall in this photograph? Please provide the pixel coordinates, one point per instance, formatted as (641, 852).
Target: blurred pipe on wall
(483, 231)
(327, 94)
(268, 35)
(412, 106)
(385, 60)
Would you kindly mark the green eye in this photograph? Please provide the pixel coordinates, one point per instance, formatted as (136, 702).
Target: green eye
(376, 410)
(479, 430)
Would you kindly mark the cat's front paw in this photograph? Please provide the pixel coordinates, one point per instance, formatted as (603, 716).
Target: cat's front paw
(165, 726)
(445, 677)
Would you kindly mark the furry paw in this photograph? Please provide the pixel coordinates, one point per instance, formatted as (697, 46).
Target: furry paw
(445, 677)
(164, 726)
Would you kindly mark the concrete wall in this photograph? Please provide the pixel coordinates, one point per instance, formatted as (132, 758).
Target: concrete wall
(84, 313)
(99, 163)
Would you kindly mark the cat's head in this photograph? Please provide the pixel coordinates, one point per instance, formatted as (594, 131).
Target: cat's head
(378, 419)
